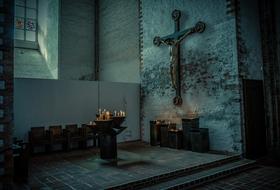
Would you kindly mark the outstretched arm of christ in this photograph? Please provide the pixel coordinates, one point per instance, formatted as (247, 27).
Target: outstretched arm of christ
(198, 28)
(178, 37)
(173, 41)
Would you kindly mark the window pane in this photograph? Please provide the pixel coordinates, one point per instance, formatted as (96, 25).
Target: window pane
(1, 3)
(30, 24)
(19, 34)
(31, 13)
(30, 36)
(1, 30)
(19, 23)
(31, 3)
(19, 11)
(20, 2)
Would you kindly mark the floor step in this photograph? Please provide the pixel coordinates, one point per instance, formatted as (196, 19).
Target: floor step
(199, 178)
(161, 178)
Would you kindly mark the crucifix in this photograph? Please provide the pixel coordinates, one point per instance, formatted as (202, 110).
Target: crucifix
(173, 41)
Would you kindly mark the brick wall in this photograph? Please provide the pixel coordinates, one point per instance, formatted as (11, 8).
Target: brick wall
(76, 40)
(209, 70)
(119, 41)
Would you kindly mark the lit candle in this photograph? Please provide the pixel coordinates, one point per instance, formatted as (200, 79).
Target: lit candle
(107, 115)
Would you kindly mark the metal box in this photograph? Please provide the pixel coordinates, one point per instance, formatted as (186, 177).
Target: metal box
(154, 133)
(188, 125)
(164, 135)
(175, 138)
(200, 140)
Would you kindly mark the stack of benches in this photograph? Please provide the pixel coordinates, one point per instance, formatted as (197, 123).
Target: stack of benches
(56, 134)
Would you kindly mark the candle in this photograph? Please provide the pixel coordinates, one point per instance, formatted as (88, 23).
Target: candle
(107, 115)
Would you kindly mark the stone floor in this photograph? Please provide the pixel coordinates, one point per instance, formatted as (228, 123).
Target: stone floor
(84, 170)
(261, 178)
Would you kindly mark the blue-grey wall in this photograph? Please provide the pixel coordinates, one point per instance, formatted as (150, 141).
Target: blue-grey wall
(251, 63)
(210, 78)
(119, 41)
(48, 21)
(52, 102)
(277, 22)
(76, 45)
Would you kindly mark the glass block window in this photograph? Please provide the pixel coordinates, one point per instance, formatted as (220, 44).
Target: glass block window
(26, 17)
(31, 24)
(19, 23)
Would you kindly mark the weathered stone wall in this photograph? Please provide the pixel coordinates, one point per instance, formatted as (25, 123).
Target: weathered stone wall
(209, 69)
(119, 41)
(76, 48)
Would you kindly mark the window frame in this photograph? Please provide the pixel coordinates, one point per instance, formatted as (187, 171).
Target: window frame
(26, 43)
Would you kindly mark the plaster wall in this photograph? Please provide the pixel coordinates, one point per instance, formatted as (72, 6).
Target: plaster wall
(61, 102)
(76, 40)
(277, 81)
(48, 19)
(119, 41)
(209, 69)
(277, 23)
(251, 63)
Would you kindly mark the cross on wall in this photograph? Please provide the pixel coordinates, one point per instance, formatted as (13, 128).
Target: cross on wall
(173, 41)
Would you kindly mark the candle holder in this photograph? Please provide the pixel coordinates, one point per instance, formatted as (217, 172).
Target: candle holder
(188, 124)
(118, 120)
(107, 130)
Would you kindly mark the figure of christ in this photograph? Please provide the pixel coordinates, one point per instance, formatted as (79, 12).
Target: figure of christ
(173, 41)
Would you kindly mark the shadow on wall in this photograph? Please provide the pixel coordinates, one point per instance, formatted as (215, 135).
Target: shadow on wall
(29, 63)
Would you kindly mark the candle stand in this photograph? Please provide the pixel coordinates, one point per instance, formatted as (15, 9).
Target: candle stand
(107, 131)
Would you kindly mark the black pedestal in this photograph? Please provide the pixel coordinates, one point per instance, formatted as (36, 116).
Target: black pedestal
(21, 162)
(108, 146)
(175, 138)
(107, 131)
(188, 125)
(154, 133)
(164, 142)
(200, 140)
